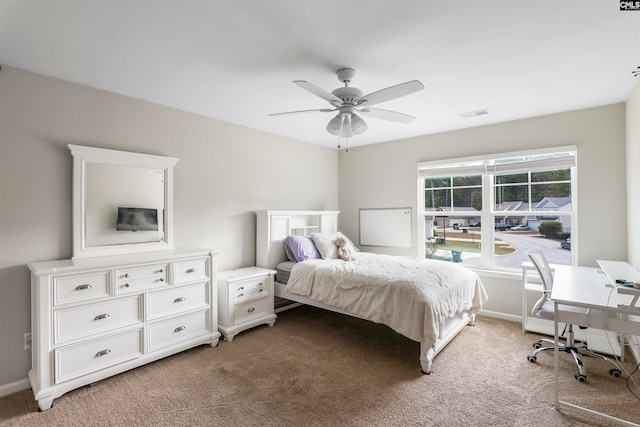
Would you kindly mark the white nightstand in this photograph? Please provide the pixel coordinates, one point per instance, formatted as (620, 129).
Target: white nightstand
(245, 300)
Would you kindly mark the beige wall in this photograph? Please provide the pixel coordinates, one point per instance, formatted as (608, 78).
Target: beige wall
(384, 175)
(633, 176)
(225, 173)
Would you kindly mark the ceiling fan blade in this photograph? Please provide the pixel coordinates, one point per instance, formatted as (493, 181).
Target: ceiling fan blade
(390, 93)
(320, 110)
(392, 116)
(318, 91)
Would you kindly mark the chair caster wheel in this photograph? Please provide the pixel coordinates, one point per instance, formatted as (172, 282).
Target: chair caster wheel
(532, 358)
(615, 372)
(581, 378)
(537, 345)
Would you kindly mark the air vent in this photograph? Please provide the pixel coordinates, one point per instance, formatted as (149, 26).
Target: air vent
(476, 113)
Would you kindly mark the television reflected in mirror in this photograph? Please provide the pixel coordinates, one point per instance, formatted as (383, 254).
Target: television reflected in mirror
(136, 219)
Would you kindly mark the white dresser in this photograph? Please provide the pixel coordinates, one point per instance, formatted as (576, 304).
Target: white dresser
(245, 299)
(94, 318)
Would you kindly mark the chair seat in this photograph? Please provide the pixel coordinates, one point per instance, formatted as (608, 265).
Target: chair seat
(546, 311)
(575, 315)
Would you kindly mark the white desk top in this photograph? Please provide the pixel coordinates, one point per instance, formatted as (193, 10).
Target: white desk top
(583, 286)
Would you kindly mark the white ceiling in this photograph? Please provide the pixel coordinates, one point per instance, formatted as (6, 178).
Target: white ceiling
(236, 60)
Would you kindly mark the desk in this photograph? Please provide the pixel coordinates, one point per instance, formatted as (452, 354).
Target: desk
(597, 339)
(609, 308)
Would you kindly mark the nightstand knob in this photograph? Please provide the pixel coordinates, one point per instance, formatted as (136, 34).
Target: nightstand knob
(191, 270)
(261, 290)
(126, 275)
(101, 316)
(161, 279)
(240, 295)
(179, 328)
(251, 310)
(180, 299)
(103, 352)
(161, 271)
(82, 287)
(126, 285)
(241, 288)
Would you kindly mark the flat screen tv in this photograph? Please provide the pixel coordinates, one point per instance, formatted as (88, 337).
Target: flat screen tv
(137, 219)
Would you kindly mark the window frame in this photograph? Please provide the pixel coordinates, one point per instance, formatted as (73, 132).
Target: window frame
(488, 166)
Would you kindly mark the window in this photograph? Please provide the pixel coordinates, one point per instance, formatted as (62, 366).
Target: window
(489, 211)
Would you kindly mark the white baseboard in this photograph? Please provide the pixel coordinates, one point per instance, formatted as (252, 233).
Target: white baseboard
(503, 316)
(14, 387)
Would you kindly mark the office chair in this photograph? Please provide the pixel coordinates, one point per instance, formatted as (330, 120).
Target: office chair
(544, 309)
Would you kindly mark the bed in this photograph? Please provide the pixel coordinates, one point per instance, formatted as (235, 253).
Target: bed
(428, 301)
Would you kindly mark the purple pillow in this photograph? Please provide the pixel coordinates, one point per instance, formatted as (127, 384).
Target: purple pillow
(302, 247)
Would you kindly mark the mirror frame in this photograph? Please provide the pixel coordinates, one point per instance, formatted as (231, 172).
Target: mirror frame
(82, 156)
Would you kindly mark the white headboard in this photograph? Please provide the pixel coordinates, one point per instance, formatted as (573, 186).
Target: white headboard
(273, 226)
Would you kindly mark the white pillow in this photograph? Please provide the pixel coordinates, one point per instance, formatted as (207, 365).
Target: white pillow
(326, 244)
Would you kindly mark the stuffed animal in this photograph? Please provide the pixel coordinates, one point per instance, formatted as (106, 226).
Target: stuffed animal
(343, 249)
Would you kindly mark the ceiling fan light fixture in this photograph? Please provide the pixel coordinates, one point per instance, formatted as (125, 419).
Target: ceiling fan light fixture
(358, 125)
(334, 127)
(347, 130)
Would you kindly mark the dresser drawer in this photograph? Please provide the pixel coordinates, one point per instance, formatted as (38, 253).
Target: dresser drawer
(81, 287)
(249, 289)
(256, 307)
(135, 279)
(189, 271)
(177, 329)
(161, 303)
(91, 319)
(75, 361)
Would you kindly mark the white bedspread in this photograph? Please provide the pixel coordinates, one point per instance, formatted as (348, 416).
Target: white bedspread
(412, 296)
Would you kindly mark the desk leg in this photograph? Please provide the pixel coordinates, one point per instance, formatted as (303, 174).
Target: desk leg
(556, 357)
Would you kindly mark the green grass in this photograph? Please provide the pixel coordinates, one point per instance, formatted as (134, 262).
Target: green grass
(469, 242)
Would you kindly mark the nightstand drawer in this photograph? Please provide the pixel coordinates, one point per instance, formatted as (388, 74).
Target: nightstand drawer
(176, 329)
(256, 307)
(82, 287)
(189, 271)
(250, 289)
(176, 300)
(92, 319)
(72, 362)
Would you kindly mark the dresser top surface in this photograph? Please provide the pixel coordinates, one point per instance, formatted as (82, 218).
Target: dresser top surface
(45, 267)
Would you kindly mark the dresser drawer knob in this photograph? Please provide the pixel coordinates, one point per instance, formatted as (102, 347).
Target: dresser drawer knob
(103, 352)
(126, 285)
(191, 270)
(261, 290)
(161, 270)
(126, 275)
(180, 328)
(83, 287)
(240, 295)
(179, 299)
(241, 288)
(101, 316)
(161, 279)
(251, 310)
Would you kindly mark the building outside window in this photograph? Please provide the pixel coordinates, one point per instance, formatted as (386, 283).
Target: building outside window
(488, 211)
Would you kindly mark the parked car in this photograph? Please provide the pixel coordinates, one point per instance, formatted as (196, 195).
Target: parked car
(566, 244)
(501, 226)
(520, 227)
(474, 224)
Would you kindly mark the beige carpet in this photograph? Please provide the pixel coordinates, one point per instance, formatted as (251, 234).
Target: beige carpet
(316, 368)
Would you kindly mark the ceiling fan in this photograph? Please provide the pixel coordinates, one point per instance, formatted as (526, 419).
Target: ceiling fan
(350, 103)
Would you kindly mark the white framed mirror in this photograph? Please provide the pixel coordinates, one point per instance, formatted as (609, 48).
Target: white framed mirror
(122, 202)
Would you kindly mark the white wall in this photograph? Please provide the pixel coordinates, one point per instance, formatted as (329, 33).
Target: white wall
(225, 173)
(633, 176)
(384, 176)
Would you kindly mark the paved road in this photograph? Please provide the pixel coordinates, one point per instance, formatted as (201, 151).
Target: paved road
(523, 242)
